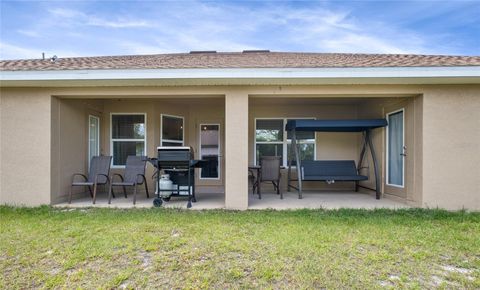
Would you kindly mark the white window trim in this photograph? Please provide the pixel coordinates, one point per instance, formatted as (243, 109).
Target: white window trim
(98, 137)
(403, 146)
(169, 140)
(144, 140)
(285, 141)
(219, 151)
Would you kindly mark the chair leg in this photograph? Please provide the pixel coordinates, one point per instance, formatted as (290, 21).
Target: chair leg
(259, 191)
(90, 189)
(110, 193)
(278, 190)
(124, 191)
(275, 187)
(70, 195)
(146, 189)
(281, 192)
(94, 193)
(135, 194)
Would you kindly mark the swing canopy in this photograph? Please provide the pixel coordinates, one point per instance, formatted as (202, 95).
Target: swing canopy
(335, 125)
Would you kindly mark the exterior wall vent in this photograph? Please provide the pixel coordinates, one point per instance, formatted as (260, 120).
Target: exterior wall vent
(256, 51)
(202, 51)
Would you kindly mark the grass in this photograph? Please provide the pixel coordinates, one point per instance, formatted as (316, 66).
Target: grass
(159, 248)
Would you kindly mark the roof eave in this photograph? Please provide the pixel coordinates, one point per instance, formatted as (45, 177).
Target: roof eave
(244, 76)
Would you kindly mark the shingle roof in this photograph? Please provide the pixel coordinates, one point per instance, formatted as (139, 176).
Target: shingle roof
(240, 60)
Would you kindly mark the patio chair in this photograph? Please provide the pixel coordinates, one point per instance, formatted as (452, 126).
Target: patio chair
(97, 175)
(270, 171)
(134, 175)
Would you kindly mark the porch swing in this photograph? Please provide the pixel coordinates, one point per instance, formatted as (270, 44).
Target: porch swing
(330, 171)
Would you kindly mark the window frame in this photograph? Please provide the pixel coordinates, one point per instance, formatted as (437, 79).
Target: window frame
(144, 140)
(388, 150)
(90, 116)
(169, 140)
(285, 142)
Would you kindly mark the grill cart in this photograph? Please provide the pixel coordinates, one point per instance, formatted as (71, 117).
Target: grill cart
(179, 164)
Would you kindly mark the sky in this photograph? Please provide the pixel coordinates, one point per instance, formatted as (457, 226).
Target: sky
(93, 28)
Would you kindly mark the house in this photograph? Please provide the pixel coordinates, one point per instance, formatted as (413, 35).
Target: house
(57, 113)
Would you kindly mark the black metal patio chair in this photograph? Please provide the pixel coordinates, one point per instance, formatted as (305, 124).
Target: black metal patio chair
(134, 175)
(97, 175)
(270, 171)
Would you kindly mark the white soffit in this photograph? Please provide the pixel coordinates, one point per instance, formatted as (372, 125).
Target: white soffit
(245, 76)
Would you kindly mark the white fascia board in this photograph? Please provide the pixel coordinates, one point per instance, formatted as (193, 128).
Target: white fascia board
(246, 74)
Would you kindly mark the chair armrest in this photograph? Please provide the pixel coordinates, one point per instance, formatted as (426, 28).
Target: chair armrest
(100, 174)
(117, 174)
(79, 174)
(143, 176)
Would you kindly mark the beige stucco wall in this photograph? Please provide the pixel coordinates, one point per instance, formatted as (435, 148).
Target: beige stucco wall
(193, 110)
(70, 143)
(412, 106)
(25, 146)
(446, 135)
(451, 154)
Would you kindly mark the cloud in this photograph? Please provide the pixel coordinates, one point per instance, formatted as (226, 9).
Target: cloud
(117, 24)
(29, 33)
(9, 51)
(79, 18)
(162, 27)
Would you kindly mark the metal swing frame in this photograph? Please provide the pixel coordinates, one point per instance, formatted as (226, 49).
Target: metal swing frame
(364, 126)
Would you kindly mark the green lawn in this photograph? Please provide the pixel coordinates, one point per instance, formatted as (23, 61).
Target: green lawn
(150, 248)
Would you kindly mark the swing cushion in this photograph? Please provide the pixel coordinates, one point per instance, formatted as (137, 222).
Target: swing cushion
(329, 170)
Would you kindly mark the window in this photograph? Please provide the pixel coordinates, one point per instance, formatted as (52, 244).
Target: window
(395, 149)
(172, 131)
(129, 135)
(271, 139)
(93, 137)
(210, 150)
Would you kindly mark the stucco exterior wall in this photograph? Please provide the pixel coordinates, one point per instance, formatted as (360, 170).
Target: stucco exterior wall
(193, 110)
(451, 154)
(25, 147)
(70, 144)
(412, 106)
(446, 165)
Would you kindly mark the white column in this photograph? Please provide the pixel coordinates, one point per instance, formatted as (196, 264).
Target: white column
(236, 150)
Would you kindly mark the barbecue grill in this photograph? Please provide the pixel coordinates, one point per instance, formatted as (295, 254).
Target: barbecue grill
(178, 162)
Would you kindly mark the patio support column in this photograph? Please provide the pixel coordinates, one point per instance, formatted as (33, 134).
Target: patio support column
(236, 150)
(25, 128)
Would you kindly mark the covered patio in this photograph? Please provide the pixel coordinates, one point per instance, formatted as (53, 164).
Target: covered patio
(264, 123)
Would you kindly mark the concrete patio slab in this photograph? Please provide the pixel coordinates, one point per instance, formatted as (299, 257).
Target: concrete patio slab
(270, 200)
(327, 200)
